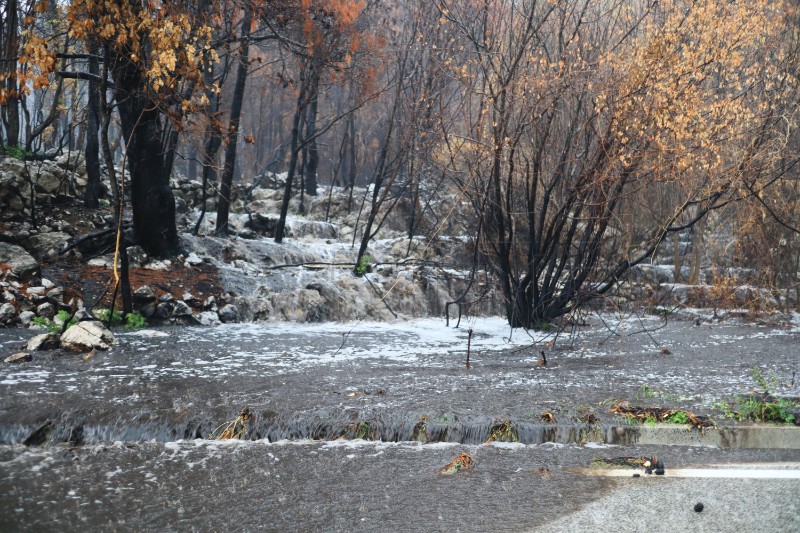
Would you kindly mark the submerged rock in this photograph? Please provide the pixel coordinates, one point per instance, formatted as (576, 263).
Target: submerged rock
(18, 358)
(208, 318)
(228, 313)
(85, 336)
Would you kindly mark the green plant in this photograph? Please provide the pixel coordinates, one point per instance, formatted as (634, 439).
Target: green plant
(63, 316)
(135, 321)
(363, 265)
(765, 383)
(761, 408)
(727, 410)
(678, 417)
(16, 152)
(46, 323)
(236, 428)
(650, 420)
(503, 431)
(103, 314)
(646, 392)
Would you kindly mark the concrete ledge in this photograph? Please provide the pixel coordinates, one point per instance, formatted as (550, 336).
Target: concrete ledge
(766, 436)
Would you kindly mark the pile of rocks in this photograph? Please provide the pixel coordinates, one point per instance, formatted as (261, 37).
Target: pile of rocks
(85, 336)
(187, 309)
(24, 294)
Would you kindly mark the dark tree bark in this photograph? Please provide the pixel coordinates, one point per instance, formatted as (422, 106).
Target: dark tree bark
(149, 161)
(91, 197)
(226, 181)
(8, 69)
(311, 130)
(280, 227)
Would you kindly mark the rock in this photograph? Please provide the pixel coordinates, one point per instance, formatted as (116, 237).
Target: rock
(148, 310)
(35, 291)
(47, 284)
(193, 259)
(47, 245)
(190, 299)
(208, 318)
(18, 358)
(45, 341)
(56, 294)
(210, 303)
(181, 309)
(46, 310)
(7, 312)
(164, 264)
(18, 261)
(84, 336)
(166, 298)
(228, 313)
(81, 314)
(164, 309)
(26, 318)
(137, 257)
(47, 182)
(144, 294)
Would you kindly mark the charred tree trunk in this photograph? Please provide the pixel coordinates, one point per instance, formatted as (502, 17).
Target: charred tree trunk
(91, 197)
(8, 73)
(148, 161)
(226, 181)
(280, 227)
(312, 162)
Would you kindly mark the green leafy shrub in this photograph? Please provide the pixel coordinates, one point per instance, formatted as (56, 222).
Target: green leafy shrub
(55, 325)
(363, 265)
(133, 321)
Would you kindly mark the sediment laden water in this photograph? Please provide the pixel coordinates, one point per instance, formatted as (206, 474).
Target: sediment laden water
(319, 425)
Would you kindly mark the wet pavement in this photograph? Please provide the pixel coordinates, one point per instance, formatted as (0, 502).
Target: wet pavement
(138, 408)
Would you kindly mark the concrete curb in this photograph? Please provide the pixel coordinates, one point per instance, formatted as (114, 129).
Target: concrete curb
(752, 437)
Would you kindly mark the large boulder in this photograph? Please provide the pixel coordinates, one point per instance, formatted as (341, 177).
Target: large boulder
(18, 261)
(87, 335)
(47, 245)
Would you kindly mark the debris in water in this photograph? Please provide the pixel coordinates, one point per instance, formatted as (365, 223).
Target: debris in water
(548, 416)
(619, 462)
(89, 356)
(502, 431)
(236, 428)
(469, 346)
(698, 507)
(659, 468)
(39, 435)
(463, 461)
(420, 432)
(657, 414)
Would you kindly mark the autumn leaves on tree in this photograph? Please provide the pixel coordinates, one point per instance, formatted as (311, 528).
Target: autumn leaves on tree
(582, 134)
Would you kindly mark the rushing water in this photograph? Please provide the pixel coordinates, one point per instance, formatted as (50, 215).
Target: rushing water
(121, 439)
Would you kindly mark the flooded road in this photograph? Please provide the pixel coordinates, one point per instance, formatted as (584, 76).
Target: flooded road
(139, 416)
(340, 486)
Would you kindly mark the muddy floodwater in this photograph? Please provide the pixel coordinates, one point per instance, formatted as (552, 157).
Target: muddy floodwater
(353, 422)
